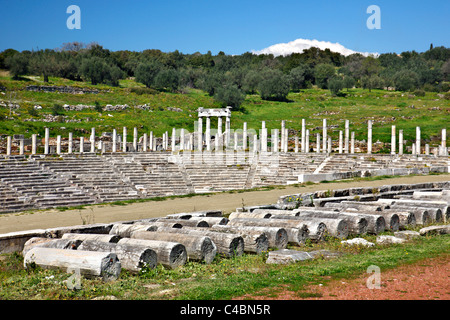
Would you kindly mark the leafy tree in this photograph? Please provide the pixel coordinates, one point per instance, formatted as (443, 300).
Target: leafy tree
(323, 72)
(335, 84)
(167, 79)
(446, 70)
(18, 64)
(210, 81)
(297, 77)
(4, 55)
(146, 72)
(372, 82)
(405, 80)
(229, 96)
(251, 81)
(274, 86)
(349, 82)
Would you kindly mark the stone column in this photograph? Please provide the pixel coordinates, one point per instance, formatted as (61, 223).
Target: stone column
(228, 131)
(208, 134)
(21, 147)
(275, 140)
(182, 142)
(124, 140)
(244, 137)
(235, 140)
(114, 141)
(303, 148)
(47, 141)
(444, 142)
(413, 147)
(92, 139)
(200, 134)
(417, 140)
(33, 143)
(174, 139)
(255, 143)
(264, 139)
(307, 141)
(369, 136)
(352, 145)
(347, 136)
(8, 145)
(317, 142)
(58, 144)
(164, 141)
(400, 142)
(286, 140)
(70, 146)
(296, 144)
(219, 126)
(393, 140)
(340, 141)
(151, 141)
(144, 143)
(324, 135)
(427, 149)
(329, 145)
(167, 141)
(135, 139)
(283, 133)
(81, 144)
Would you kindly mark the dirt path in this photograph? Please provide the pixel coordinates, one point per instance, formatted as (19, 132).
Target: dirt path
(424, 280)
(227, 202)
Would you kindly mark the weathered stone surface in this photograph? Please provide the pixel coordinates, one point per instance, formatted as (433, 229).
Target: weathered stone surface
(389, 240)
(406, 234)
(444, 229)
(285, 256)
(358, 242)
(91, 264)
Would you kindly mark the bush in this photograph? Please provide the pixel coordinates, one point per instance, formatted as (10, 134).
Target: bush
(335, 85)
(146, 72)
(229, 96)
(274, 86)
(32, 111)
(98, 107)
(57, 110)
(167, 79)
(419, 93)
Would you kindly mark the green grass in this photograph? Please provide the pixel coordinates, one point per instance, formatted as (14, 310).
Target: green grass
(386, 108)
(224, 278)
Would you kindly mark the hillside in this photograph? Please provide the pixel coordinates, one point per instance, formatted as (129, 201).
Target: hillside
(151, 110)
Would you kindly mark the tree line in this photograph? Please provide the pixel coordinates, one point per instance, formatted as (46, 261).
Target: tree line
(229, 78)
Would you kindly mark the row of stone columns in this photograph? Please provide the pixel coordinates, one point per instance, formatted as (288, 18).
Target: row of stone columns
(149, 142)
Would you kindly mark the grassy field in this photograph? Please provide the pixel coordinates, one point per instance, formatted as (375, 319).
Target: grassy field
(405, 110)
(224, 278)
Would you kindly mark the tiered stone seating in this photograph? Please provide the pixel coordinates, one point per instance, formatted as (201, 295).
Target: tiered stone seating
(213, 172)
(150, 173)
(39, 187)
(93, 175)
(284, 168)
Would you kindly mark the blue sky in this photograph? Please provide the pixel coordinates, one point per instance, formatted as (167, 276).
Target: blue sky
(231, 26)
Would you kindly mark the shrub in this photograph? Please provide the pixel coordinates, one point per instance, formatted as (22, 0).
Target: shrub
(419, 93)
(57, 109)
(229, 96)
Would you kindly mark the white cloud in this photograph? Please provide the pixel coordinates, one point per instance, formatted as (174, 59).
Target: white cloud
(297, 46)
